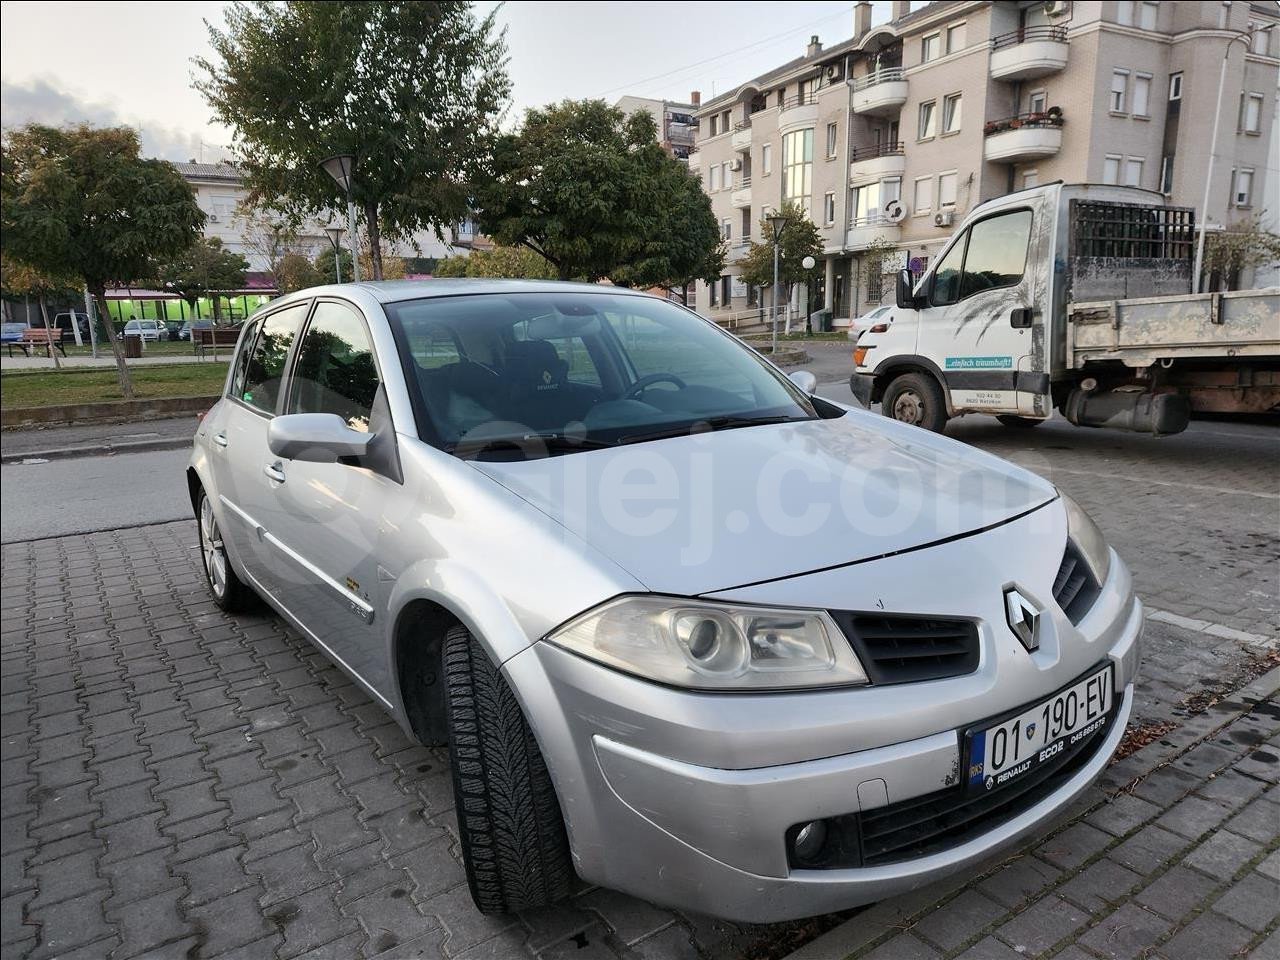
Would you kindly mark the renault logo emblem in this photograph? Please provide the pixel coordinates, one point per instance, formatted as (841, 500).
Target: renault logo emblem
(1023, 617)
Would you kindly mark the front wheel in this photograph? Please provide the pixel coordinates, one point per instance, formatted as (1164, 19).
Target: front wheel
(514, 846)
(917, 399)
(228, 591)
(1020, 423)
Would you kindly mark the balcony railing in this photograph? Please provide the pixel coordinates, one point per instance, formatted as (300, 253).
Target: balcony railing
(890, 148)
(1044, 118)
(1029, 34)
(876, 219)
(744, 183)
(742, 125)
(799, 100)
(886, 75)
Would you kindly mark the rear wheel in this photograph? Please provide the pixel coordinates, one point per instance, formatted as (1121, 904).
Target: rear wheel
(514, 845)
(1021, 423)
(229, 592)
(916, 398)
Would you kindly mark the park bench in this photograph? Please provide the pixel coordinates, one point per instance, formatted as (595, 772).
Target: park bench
(207, 338)
(39, 337)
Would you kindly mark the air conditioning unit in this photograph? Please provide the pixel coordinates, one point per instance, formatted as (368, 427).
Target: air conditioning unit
(944, 219)
(1057, 8)
(735, 164)
(213, 218)
(832, 73)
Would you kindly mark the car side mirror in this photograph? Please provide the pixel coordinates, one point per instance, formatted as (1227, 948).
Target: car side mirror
(905, 292)
(805, 380)
(315, 438)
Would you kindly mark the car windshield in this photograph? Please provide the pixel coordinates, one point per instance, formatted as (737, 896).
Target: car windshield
(559, 372)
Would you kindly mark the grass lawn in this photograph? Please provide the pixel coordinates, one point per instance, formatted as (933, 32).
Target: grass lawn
(47, 388)
(153, 349)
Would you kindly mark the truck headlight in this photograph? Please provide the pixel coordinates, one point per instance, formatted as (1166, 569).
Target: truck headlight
(714, 646)
(1084, 533)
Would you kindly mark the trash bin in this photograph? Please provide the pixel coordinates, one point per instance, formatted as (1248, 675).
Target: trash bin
(132, 346)
(820, 321)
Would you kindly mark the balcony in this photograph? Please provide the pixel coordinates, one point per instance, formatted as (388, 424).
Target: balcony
(741, 139)
(738, 249)
(880, 93)
(877, 162)
(864, 231)
(1028, 136)
(741, 195)
(1029, 53)
(798, 111)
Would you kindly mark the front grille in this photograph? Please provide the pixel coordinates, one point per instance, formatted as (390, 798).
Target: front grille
(948, 818)
(897, 649)
(1074, 588)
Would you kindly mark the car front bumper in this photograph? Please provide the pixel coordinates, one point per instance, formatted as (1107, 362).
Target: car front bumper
(684, 798)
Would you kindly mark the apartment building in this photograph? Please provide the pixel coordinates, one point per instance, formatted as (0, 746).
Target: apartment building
(677, 122)
(891, 136)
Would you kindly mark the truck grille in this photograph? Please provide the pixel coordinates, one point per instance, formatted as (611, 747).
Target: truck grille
(897, 649)
(1074, 588)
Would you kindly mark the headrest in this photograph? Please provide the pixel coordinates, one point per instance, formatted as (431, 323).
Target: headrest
(534, 366)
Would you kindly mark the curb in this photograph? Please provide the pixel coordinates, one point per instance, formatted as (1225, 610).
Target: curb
(99, 449)
(106, 411)
(862, 928)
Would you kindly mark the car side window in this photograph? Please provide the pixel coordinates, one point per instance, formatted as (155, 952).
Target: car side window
(335, 372)
(242, 360)
(946, 276)
(997, 252)
(265, 367)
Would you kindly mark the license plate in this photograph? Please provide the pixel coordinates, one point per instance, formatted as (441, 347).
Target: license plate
(1006, 751)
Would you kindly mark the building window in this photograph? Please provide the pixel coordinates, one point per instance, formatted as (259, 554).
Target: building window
(1133, 171)
(797, 168)
(951, 113)
(1124, 13)
(1142, 95)
(1224, 14)
(1147, 14)
(1243, 193)
(1111, 169)
(1175, 86)
(832, 134)
(1038, 102)
(711, 126)
(1260, 39)
(726, 176)
(726, 230)
(922, 199)
(829, 209)
(714, 183)
(1251, 119)
(1030, 178)
(714, 290)
(1166, 174)
(929, 47)
(955, 38)
(1119, 90)
(766, 160)
(928, 120)
(947, 190)
(726, 290)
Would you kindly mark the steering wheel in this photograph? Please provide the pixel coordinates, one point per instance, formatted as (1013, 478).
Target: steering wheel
(644, 383)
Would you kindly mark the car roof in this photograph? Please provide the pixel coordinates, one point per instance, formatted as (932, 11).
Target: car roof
(392, 291)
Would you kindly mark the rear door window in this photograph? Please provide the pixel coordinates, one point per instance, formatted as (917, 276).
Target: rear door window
(242, 359)
(265, 368)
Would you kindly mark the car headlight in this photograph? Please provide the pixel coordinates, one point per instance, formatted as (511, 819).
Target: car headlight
(1084, 533)
(714, 646)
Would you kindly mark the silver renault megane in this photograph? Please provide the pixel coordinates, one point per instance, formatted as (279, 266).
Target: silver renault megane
(688, 630)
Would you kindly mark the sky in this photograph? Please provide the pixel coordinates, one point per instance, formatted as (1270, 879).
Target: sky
(131, 63)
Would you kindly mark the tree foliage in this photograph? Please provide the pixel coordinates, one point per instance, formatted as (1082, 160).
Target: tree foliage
(297, 273)
(800, 239)
(324, 265)
(81, 202)
(1244, 245)
(22, 280)
(517, 263)
(592, 191)
(204, 268)
(412, 90)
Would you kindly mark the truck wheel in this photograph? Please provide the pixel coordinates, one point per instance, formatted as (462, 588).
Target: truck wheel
(514, 845)
(1022, 423)
(916, 398)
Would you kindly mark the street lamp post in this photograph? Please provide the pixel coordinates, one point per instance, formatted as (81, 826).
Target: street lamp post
(340, 168)
(335, 237)
(777, 223)
(1208, 177)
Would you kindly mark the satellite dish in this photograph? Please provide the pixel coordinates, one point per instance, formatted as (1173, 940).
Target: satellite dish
(808, 263)
(894, 211)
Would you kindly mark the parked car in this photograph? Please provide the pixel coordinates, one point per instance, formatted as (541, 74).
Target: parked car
(688, 630)
(67, 318)
(184, 331)
(147, 329)
(859, 325)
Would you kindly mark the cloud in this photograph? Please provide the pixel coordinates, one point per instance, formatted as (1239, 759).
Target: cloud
(39, 101)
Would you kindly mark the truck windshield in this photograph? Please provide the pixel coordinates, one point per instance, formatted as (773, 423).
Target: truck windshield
(573, 371)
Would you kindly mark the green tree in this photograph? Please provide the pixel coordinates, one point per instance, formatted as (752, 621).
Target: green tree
(325, 269)
(592, 191)
(203, 269)
(800, 239)
(517, 263)
(81, 202)
(297, 273)
(1243, 245)
(413, 91)
(20, 280)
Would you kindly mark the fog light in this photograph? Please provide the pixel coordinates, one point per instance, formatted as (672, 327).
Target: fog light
(810, 839)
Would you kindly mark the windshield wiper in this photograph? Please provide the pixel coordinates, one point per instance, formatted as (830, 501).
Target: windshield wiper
(709, 423)
(551, 442)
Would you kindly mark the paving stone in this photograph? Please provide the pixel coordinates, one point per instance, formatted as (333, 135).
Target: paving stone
(991, 949)
(1128, 933)
(149, 923)
(1073, 846)
(1192, 817)
(1208, 935)
(1223, 854)
(1253, 902)
(1259, 821)
(958, 920)
(1177, 892)
(1019, 880)
(1149, 849)
(903, 947)
(630, 920)
(1042, 925)
(1123, 813)
(1100, 884)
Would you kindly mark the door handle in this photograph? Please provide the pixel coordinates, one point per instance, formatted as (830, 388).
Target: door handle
(220, 439)
(274, 471)
(1020, 318)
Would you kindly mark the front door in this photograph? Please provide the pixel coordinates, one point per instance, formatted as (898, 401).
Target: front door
(329, 515)
(982, 325)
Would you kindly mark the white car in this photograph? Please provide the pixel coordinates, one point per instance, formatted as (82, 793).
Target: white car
(147, 329)
(859, 325)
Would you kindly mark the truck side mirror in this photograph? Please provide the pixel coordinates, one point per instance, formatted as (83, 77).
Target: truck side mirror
(906, 299)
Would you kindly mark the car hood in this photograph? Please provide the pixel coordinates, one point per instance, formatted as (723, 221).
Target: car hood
(696, 514)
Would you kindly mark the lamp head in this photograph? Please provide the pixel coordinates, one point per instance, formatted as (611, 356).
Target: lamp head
(340, 167)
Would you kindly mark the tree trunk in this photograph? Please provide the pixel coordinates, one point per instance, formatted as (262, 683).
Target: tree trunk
(217, 311)
(117, 348)
(53, 353)
(375, 238)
